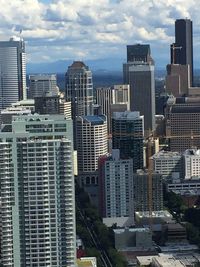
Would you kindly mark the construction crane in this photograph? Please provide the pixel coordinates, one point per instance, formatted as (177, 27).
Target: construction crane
(150, 175)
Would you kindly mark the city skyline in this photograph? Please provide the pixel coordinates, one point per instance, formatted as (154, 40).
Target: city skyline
(67, 30)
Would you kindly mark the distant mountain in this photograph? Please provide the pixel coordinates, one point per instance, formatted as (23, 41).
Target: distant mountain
(100, 65)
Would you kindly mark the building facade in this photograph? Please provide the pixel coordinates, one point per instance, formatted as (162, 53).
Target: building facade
(141, 191)
(128, 136)
(169, 165)
(183, 123)
(42, 84)
(116, 98)
(91, 144)
(37, 190)
(12, 72)
(115, 183)
(138, 72)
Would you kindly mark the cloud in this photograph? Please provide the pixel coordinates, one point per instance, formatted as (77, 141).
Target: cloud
(91, 29)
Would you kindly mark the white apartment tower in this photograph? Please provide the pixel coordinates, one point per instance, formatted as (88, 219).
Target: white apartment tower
(116, 185)
(91, 144)
(12, 71)
(37, 192)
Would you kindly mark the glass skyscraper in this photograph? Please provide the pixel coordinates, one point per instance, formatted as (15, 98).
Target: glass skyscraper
(12, 71)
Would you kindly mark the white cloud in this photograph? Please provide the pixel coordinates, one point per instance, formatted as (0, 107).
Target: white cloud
(93, 29)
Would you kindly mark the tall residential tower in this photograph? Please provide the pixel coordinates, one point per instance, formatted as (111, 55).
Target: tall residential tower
(37, 192)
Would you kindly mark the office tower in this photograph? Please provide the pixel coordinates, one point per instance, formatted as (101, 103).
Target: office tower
(37, 192)
(116, 98)
(182, 49)
(178, 79)
(42, 84)
(53, 105)
(139, 74)
(169, 165)
(12, 71)
(79, 89)
(128, 136)
(115, 184)
(141, 189)
(183, 123)
(91, 144)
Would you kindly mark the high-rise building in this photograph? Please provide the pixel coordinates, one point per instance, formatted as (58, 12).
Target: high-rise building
(182, 49)
(42, 84)
(91, 144)
(139, 74)
(128, 136)
(111, 99)
(79, 91)
(12, 71)
(141, 189)
(115, 186)
(37, 192)
(183, 123)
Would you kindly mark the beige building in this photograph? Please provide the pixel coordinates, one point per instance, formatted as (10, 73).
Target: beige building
(178, 79)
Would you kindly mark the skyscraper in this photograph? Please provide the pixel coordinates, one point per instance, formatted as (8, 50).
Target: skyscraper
(42, 84)
(182, 49)
(37, 192)
(128, 136)
(139, 74)
(12, 71)
(79, 91)
(91, 144)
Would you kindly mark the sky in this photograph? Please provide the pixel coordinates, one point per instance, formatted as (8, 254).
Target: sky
(96, 29)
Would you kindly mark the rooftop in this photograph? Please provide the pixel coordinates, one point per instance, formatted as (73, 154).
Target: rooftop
(95, 119)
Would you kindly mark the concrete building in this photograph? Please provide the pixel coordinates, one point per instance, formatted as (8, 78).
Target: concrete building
(139, 73)
(183, 123)
(91, 144)
(116, 98)
(128, 136)
(141, 188)
(42, 84)
(169, 165)
(115, 184)
(182, 49)
(12, 72)
(37, 190)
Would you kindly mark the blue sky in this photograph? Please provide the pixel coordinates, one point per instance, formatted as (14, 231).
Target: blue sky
(91, 29)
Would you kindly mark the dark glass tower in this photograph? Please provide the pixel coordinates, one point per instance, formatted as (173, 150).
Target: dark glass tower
(182, 49)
